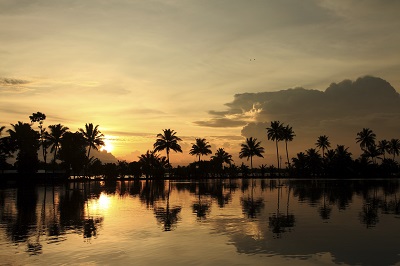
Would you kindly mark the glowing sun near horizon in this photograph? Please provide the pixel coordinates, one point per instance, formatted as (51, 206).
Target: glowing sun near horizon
(108, 146)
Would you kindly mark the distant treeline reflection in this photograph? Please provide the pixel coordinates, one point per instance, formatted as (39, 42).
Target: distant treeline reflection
(33, 214)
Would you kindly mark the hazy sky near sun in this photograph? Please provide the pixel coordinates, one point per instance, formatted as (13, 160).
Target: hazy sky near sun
(137, 67)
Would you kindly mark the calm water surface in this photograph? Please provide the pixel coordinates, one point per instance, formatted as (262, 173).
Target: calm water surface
(220, 222)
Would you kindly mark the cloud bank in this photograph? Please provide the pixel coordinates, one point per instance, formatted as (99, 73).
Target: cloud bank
(340, 111)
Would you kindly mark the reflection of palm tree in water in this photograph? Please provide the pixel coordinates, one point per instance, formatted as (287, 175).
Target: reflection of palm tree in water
(250, 206)
(369, 214)
(325, 210)
(54, 229)
(278, 221)
(36, 248)
(90, 223)
(201, 209)
(168, 216)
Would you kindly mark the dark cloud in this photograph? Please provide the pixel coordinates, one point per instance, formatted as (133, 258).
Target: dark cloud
(12, 81)
(221, 122)
(340, 111)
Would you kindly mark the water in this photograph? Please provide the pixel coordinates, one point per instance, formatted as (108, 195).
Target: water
(219, 222)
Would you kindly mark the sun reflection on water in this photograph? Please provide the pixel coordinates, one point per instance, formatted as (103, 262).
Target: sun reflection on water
(100, 205)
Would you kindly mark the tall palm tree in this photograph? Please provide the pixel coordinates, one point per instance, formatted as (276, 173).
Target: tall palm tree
(94, 138)
(26, 140)
(167, 141)
(251, 148)
(366, 137)
(274, 133)
(323, 143)
(221, 157)
(54, 138)
(394, 147)
(40, 117)
(287, 135)
(383, 147)
(201, 147)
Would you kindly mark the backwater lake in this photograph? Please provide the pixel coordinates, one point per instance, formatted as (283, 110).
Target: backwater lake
(202, 222)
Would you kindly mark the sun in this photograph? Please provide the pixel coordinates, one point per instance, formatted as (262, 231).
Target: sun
(108, 146)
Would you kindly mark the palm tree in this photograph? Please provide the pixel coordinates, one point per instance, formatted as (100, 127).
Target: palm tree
(372, 152)
(221, 157)
(323, 143)
(167, 141)
(93, 137)
(26, 140)
(274, 133)
(251, 148)
(314, 161)
(54, 138)
(201, 147)
(40, 117)
(383, 147)
(287, 135)
(152, 164)
(366, 137)
(394, 147)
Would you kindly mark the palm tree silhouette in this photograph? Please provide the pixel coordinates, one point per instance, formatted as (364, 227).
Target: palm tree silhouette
(201, 147)
(26, 140)
(274, 133)
(323, 143)
(221, 157)
(40, 117)
(383, 147)
(394, 147)
(366, 137)
(287, 135)
(1, 129)
(93, 137)
(152, 163)
(54, 138)
(167, 141)
(251, 148)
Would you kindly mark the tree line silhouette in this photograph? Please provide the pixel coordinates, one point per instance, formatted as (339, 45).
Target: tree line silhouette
(73, 152)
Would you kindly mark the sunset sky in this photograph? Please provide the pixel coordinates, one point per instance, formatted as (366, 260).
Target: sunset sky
(137, 67)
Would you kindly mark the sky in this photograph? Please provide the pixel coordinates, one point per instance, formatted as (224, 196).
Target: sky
(214, 69)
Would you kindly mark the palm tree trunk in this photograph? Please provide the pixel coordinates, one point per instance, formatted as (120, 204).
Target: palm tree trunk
(287, 155)
(54, 160)
(277, 153)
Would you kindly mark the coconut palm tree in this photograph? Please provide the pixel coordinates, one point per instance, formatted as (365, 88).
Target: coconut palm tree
(26, 140)
(201, 147)
(274, 133)
(323, 143)
(251, 148)
(394, 147)
(152, 164)
(54, 139)
(366, 137)
(372, 152)
(94, 138)
(221, 157)
(167, 141)
(383, 147)
(314, 161)
(287, 135)
(40, 117)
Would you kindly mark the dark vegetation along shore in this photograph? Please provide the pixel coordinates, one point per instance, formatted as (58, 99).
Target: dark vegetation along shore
(65, 154)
